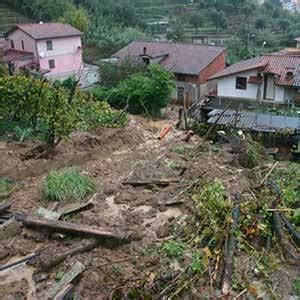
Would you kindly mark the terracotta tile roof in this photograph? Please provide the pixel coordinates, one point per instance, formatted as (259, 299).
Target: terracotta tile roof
(182, 58)
(46, 30)
(284, 66)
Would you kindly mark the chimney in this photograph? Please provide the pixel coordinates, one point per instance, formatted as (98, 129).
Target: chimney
(145, 50)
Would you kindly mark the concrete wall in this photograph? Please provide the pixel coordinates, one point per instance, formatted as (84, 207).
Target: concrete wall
(227, 88)
(29, 43)
(67, 54)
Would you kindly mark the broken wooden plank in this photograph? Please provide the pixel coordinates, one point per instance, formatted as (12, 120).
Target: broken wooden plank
(4, 207)
(75, 208)
(47, 264)
(75, 271)
(73, 228)
(18, 262)
(67, 210)
(158, 182)
(65, 293)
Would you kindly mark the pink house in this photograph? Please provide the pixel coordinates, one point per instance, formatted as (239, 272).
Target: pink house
(53, 50)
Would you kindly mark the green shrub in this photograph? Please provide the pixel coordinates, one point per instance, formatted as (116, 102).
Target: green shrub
(251, 154)
(67, 185)
(99, 114)
(145, 93)
(173, 249)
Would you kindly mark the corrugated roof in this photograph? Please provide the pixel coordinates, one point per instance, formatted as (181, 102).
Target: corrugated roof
(182, 58)
(285, 66)
(254, 120)
(46, 30)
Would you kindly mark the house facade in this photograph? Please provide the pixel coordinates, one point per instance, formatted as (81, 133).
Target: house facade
(272, 79)
(191, 64)
(53, 50)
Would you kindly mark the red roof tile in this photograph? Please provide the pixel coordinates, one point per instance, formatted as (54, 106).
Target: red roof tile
(182, 58)
(46, 30)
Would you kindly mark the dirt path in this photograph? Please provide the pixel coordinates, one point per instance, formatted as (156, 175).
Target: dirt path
(112, 156)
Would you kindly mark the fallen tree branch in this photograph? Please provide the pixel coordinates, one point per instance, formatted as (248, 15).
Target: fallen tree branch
(269, 172)
(113, 262)
(45, 264)
(292, 230)
(230, 249)
(287, 249)
(74, 229)
(158, 182)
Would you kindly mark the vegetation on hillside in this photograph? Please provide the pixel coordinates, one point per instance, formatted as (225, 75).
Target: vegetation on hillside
(30, 106)
(145, 92)
(111, 25)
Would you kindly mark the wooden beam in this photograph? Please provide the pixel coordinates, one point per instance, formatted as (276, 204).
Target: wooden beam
(73, 228)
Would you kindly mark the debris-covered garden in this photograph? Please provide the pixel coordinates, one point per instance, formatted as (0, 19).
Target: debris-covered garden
(97, 203)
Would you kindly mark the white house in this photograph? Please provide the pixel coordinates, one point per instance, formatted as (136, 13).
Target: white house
(270, 79)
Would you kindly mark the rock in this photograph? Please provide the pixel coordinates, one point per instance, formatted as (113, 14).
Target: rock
(10, 228)
(40, 277)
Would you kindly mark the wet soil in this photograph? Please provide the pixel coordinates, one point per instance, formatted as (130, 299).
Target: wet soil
(110, 156)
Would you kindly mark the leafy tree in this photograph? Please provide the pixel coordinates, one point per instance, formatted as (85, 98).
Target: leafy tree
(284, 24)
(196, 20)
(111, 74)
(219, 19)
(144, 93)
(77, 17)
(25, 100)
(260, 23)
(110, 36)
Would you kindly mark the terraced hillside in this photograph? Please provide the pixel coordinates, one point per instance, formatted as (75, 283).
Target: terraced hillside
(9, 17)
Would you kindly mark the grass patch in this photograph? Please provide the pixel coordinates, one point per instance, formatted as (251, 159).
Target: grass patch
(173, 165)
(5, 185)
(181, 149)
(67, 185)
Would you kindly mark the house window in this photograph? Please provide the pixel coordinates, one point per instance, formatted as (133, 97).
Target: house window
(51, 64)
(49, 45)
(12, 44)
(241, 83)
(23, 47)
(181, 77)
